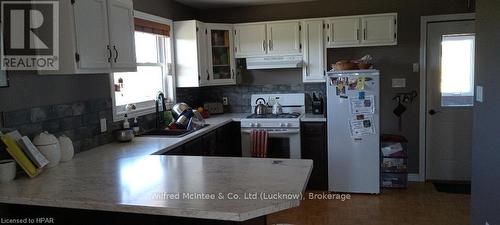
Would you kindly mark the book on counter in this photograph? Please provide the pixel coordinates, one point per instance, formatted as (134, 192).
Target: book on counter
(22, 158)
(33, 153)
(29, 149)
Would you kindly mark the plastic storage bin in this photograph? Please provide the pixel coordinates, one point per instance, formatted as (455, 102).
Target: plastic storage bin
(393, 161)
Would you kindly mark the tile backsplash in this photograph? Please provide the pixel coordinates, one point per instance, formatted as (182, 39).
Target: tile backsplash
(80, 121)
(239, 96)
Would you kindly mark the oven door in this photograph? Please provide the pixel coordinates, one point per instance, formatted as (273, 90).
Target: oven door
(282, 143)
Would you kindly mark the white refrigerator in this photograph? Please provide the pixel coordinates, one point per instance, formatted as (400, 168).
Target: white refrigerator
(353, 131)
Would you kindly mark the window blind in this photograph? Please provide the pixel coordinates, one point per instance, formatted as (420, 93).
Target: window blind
(151, 27)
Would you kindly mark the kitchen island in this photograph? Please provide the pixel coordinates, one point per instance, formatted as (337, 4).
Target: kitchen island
(129, 180)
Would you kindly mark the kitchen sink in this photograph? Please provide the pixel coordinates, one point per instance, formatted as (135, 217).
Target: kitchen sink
(172, 132)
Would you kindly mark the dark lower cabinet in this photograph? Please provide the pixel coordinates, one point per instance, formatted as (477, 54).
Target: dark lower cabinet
(224, 141)
(194, 147)
(314, 146)
(176, 151)
(209, 144)
(229, 140)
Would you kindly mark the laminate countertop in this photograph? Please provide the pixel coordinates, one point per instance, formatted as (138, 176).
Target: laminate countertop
(134, 178)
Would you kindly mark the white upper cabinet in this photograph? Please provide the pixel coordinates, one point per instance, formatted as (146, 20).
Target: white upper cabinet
(272, 38)
(343, 32)
(121, 31)
(92, 36)
(204, 54)
(202, 46)
(190, 54)
(379, 30)
(95, 36)
(314, 51)
(250, 40)
(361, 31)
(221, 63)
(283, 38)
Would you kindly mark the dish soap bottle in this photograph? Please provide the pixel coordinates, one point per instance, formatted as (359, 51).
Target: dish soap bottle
(136, 127)
(126, 124)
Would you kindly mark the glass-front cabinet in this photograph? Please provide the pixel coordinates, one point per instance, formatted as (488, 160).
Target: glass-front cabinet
(221, 64)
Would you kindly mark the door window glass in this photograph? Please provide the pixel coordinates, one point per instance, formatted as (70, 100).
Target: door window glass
(457, 70)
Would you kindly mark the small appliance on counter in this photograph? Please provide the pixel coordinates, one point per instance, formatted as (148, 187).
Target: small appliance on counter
(214, 107)
(318, 104)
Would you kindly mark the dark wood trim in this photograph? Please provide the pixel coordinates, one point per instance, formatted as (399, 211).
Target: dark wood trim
(151, 27)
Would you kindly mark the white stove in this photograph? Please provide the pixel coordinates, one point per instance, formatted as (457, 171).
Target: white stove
(293, 108)
(281, 127)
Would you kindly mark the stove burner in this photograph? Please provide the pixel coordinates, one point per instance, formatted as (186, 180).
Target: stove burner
(273, 116)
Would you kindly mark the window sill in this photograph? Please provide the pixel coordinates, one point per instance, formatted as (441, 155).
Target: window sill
(120, 116)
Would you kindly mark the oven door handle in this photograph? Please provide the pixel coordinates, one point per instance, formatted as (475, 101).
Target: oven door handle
(275, 132)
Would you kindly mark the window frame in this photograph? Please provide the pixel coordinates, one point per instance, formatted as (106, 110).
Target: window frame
(145, 108)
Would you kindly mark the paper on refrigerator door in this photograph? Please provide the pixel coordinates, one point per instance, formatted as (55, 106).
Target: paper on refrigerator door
(362, 125)
(365, 105)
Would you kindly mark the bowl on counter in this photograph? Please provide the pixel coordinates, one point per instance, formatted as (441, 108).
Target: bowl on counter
(7, 170)
(345, 65)
(125, 135)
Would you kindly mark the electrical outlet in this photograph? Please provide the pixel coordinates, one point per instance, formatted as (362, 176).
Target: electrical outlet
(225, 101)
(104, 126)
(479, 93)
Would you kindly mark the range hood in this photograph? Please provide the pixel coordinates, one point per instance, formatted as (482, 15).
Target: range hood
(274, 62)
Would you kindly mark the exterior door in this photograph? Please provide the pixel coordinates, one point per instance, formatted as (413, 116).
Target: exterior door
(121, 31)
(450, 98)
(283, 38)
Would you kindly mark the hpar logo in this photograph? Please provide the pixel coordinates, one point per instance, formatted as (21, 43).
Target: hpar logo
(30, 35)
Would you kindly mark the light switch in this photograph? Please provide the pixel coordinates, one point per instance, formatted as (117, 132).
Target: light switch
(416, 67)
(104, 126)
(479, 93)
(398, 82)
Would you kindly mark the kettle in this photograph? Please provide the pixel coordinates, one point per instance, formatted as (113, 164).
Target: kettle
(277, 108)
(260, 108)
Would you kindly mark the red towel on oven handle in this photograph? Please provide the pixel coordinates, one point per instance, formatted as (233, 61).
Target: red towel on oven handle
(259, 143)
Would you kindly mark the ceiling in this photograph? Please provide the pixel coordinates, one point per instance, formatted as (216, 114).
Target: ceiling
(207, 4)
